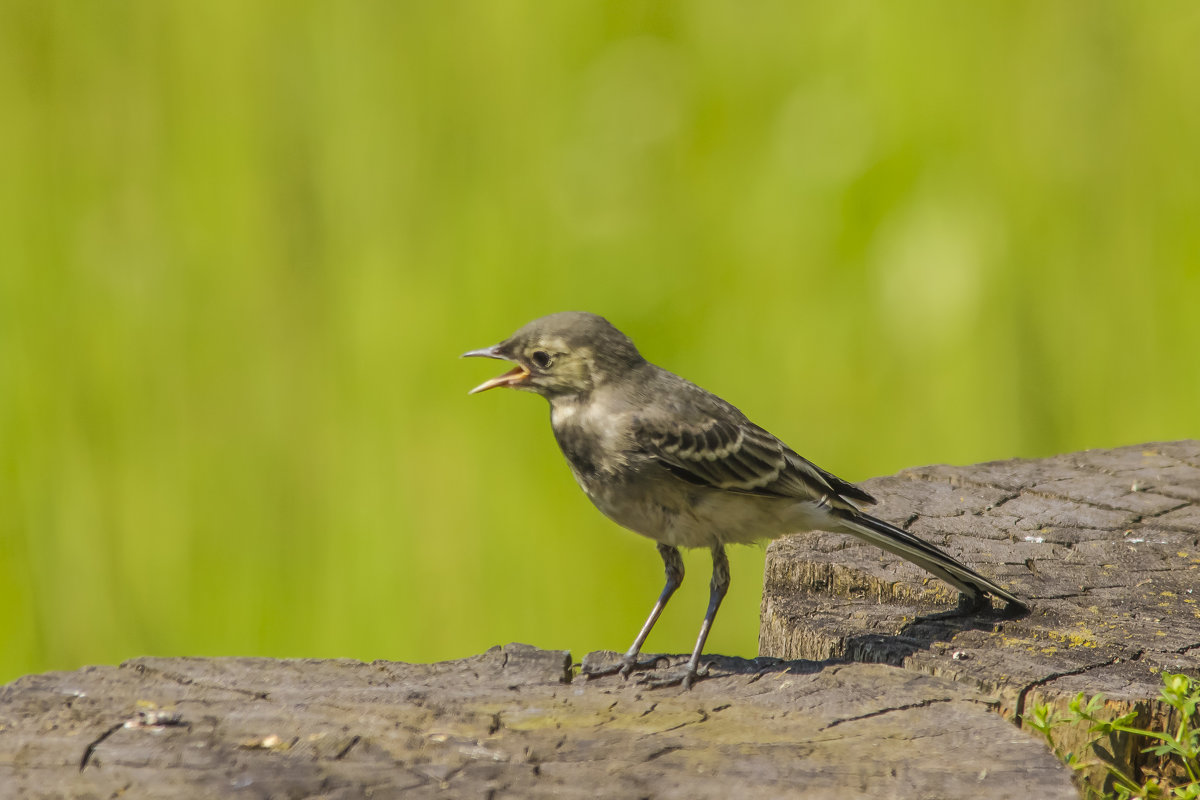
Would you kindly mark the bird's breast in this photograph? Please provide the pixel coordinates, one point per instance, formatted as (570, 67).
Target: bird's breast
(594, 440)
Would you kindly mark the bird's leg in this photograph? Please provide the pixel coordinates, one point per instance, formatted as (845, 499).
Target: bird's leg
(674, 569)
(673, 562)
(716, 593)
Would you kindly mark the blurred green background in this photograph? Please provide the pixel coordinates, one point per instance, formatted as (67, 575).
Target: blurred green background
(242, 245)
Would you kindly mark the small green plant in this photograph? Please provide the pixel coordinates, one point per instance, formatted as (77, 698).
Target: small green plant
(1177, 777)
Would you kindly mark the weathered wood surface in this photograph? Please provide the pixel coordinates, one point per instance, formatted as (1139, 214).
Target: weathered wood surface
(1105, 543)
(508, 723)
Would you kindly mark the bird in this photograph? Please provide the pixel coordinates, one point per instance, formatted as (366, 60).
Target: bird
(659, 455)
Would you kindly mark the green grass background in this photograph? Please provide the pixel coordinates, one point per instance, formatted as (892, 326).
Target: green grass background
(242, 245)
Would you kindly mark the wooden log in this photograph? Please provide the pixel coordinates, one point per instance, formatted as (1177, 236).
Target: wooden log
(511, 722)
(1104, 543)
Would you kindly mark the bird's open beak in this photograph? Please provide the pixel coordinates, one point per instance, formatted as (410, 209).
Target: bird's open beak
(514, 377)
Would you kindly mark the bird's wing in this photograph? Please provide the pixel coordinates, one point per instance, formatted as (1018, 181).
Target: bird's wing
(727, 451)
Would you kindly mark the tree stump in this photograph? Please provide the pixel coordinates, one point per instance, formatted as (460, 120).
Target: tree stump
(508, 723)
(1104, 543)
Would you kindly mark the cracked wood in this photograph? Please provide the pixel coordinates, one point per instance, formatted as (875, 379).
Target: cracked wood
(513, 722)
(1105, 544)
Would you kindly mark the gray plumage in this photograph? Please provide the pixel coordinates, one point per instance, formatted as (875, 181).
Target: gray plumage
(661, 456)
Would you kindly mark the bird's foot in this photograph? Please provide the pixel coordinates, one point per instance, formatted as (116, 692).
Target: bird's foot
(684, 676)
(597, 665)
(657, 672)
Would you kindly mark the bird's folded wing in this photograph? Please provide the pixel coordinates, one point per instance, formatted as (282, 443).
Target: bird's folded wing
(737, 457)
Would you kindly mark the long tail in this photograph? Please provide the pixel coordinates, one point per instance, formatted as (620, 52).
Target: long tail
(924, 555)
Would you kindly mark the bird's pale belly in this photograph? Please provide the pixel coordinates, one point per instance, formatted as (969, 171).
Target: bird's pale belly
(671, 511)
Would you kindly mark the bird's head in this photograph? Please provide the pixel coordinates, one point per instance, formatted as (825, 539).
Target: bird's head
(564, 354)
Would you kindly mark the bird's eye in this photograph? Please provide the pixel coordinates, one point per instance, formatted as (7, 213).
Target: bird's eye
(541, 359)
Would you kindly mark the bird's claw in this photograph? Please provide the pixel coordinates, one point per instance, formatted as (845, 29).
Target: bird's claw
(631, 665)
(684, 676)
(624, 667)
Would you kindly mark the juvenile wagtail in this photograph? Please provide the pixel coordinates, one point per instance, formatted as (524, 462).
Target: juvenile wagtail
(661, 456)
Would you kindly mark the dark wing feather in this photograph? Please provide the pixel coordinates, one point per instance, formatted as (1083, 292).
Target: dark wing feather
(844, 489)
(731, 453)
(715, 453)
